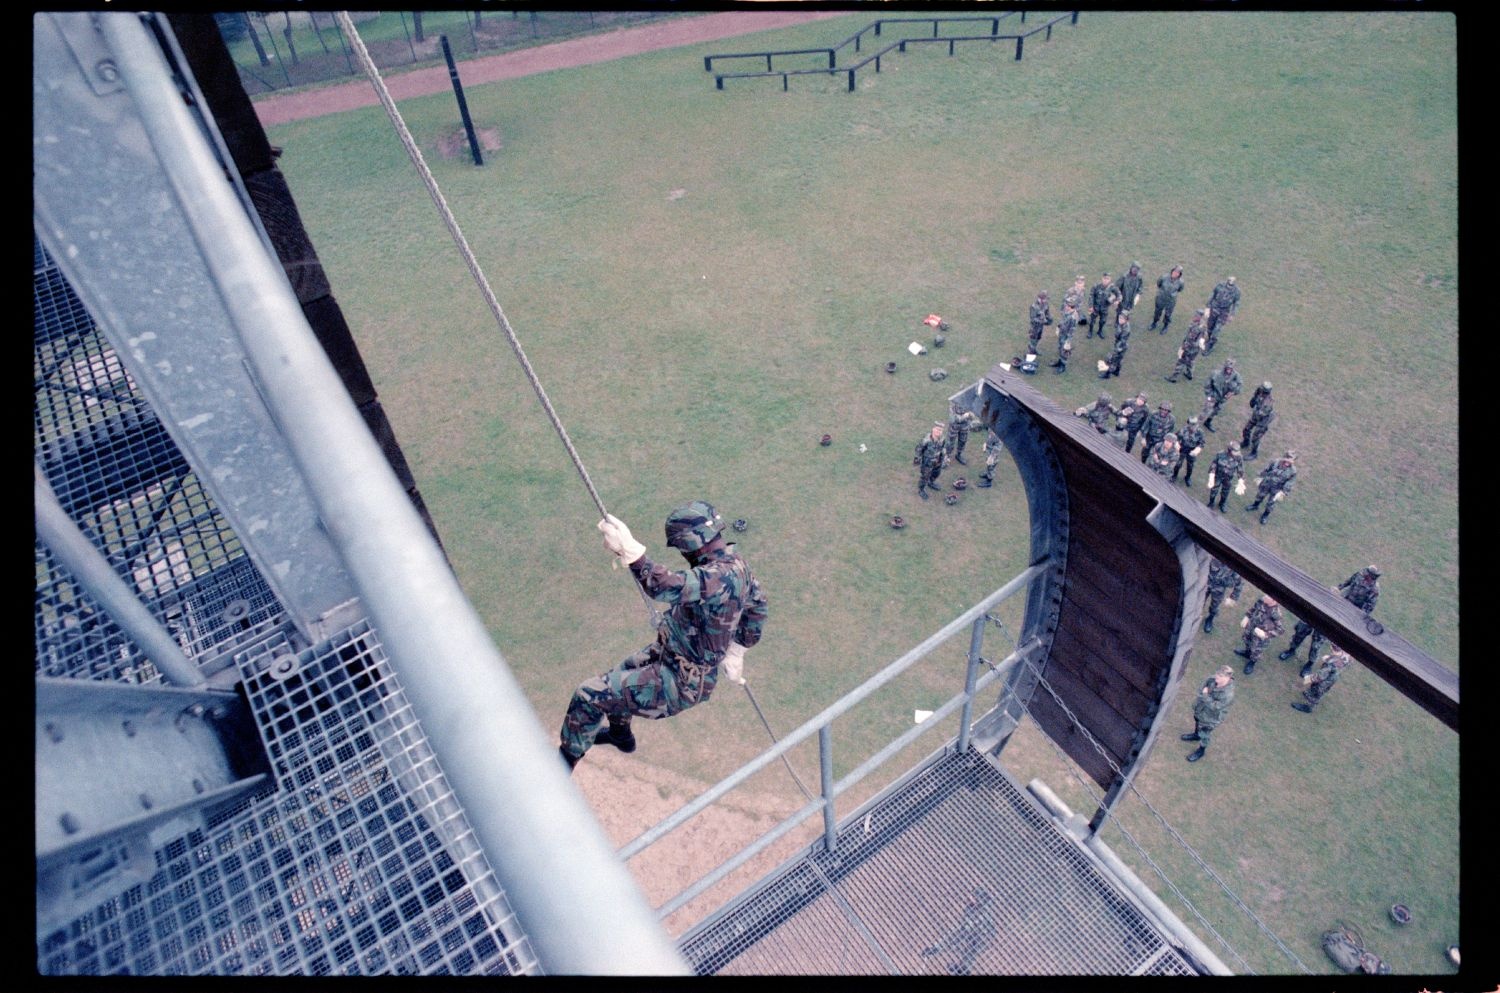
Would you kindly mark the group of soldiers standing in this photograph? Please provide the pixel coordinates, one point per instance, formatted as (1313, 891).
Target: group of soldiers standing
(945, 443)
(1261, 624)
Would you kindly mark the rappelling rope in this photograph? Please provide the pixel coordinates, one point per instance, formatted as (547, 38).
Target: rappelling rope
(370, 70)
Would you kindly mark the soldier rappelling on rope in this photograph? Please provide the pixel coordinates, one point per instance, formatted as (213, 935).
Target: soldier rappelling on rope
(716, 612)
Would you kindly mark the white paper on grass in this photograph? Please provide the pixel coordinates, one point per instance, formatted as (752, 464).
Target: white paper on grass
(920, 715)
(916, 348)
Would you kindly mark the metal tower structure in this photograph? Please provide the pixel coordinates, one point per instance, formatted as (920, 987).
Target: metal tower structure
(267, 717)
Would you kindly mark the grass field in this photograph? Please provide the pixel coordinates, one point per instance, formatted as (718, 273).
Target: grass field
(709, 281)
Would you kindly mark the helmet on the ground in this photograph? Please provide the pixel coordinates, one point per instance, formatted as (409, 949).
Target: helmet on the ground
(693, 525)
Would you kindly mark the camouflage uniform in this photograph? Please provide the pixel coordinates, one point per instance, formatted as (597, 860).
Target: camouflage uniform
(1274, 481)
(1100, 414)
(1265, 615)
(714, 602)
(992, 450)
(1065, 328)
(1222, 304)
(1329, 668)
(975, 931)
(1102, 297)
(1220, 387)
(959, 424)
(1209, 709)
(1120, 347)
(1157, 427)
(1130, 289)
(929, 460)
(1223, 584)
(1256, 427)
(1075, 295)
(1164, 455)
(1261, 395)
(1134, 415)
(1167, 288)
(1190, 437)
(1361, 589)
(1040, 316)
(1192, 347)
(1226, 470)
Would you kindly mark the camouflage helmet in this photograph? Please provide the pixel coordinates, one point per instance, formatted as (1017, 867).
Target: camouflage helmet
(1373, 570)
(1177, 268)
(1170, 436)
(1229, 363)
(1230, 280)
(693, 525)
(1291, 453)
(1135, 266)
(1266, 386)
(1234, 448)
(1165, 405)
(1105, 398)
(1042, 295)
(1193, 419)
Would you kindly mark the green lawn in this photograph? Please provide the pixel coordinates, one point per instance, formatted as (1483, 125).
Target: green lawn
(706, 282)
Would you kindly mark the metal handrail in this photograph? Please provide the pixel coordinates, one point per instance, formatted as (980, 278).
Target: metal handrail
(974, 615)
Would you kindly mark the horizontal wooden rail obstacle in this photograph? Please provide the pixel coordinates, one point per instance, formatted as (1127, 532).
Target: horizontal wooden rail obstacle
(875, 29)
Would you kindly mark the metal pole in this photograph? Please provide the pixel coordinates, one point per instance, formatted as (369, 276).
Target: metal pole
(976, 644)
(93, 571)
(825, 762)
(538, 834)
(463, 105)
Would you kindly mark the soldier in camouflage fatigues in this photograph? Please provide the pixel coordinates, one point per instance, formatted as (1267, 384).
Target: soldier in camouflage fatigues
(992, 450)
(1130, 290)
(1190, 437)
(1220, 387)
(716, 611)
(1111, 366)
(1103, 296)
(1167, 288)
(1065, 328)
(1209, 709)
(1039, 317)
(1075, 294)
(1224, 588)
(960, 423)
(1261, 623)
(1164, 455)
(1157, 427)
(976, 929)
(1222, 304)
(930, 458)
(1319, 683)
(1192, 347)
(1101, 414)
(1132, 417)
(1262, 413)
(1275, 483)
(1361, 589)
(1227, 469)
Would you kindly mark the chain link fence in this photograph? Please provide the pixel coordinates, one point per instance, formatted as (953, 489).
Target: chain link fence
(279, 50)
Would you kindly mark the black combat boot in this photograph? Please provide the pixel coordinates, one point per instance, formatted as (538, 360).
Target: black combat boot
(960, 460)
(568, 758)
(1265, 515)
(1222, 501)
(985, 482)
(618, 733)
(1302, 707)
(1195, 756)
(1242, 653)
(1303, 672)
(1208, 425)
(922, 490)
(1253, 506)
(1287, 654)
(1171, 379)
(1249, 666)
(1208, 626)
(1190, 736)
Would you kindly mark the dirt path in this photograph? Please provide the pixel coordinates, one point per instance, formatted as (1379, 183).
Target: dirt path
(279, 109)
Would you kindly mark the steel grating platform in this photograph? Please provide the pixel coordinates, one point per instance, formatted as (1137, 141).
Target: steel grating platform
(356, 859)
(905, 872)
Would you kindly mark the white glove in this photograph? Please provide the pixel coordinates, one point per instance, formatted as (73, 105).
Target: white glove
(1239, 488)
(1210, 479)
(1081, 411)
(1244, 621)
(1307, 680)
(1194, 452)
(1179, 353)
(732, 665)
(1260, 634)
(1277, 497)
(1101, 365)
(617, 539)
(1230, 601)
(1136, 301)
(1202, 342)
